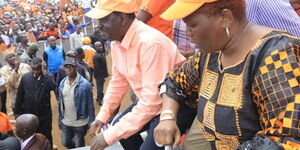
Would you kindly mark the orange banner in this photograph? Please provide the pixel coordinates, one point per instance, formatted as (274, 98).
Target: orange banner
(62, 3)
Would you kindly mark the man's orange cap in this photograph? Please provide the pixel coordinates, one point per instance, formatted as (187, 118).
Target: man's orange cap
(106, 7)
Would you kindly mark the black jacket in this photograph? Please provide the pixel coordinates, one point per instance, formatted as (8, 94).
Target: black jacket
(34, 95)
(96, 38)
(100, 65)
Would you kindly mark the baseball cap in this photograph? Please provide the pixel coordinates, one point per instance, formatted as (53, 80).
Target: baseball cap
(106, 7)
(183, 8)
(86, 40)
(34, 47)
(70, 61)
(72, 53)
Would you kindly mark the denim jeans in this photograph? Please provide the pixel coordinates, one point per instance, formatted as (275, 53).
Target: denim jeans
(73, 137)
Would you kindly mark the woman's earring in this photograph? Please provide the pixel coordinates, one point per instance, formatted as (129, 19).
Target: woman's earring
(227, 32)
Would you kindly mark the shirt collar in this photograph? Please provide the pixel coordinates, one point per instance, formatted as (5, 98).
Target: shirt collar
(74, 82)
(24, 143)
(129, 34)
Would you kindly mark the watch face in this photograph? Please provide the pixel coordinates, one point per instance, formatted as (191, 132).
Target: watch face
(163, 89)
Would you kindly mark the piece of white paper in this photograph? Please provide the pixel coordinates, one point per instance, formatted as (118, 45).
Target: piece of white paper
(1, 81)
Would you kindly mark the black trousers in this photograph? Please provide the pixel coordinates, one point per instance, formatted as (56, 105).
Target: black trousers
(100, 86)
(3, 97)
(185, 118)
(45, 126)
(92, 74)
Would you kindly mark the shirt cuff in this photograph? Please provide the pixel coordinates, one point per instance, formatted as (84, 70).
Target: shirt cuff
(110, 136)
(102, 117)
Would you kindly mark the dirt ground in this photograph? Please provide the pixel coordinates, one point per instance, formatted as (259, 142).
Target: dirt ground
(56, 133)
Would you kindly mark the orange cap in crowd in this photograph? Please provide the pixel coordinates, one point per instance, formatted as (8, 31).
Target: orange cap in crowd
(86, 40)
(106, 7)
(183, 8)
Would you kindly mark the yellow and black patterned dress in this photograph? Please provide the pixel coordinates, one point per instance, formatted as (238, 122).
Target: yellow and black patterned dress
(261, 94)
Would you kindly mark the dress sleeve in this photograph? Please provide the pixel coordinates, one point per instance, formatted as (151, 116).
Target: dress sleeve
(276, 92)
(183, 83)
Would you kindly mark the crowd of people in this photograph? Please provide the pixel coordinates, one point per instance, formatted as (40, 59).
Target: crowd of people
(189, 65)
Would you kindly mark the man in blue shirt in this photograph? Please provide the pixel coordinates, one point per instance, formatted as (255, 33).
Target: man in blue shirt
(53, 56)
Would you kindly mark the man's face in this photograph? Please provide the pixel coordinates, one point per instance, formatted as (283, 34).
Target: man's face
(52, 42)
(11, 59)
(36, 70)
(98, 46)
(70, 70)
(51, 27)
(32, 52)
(109, 25)
(78, 30)
(63, 30)
(24, 39)
(20, 131)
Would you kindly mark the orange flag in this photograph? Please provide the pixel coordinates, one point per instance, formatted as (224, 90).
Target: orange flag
(62, 3)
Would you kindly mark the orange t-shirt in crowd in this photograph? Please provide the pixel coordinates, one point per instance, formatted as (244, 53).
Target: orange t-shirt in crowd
(52, 33)
(5, 125)
(89, 53)
(62, 3)
(5, 49)
(156, 8)
(31, 37)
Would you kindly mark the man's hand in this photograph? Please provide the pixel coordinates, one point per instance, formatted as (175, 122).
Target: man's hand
(167, 133)
(98, 142)
(95, 127)
(17, 64)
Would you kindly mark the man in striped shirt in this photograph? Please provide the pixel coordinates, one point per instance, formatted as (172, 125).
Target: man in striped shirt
(278, 14)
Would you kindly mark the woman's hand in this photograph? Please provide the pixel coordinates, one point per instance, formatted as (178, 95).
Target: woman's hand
(167, 133)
